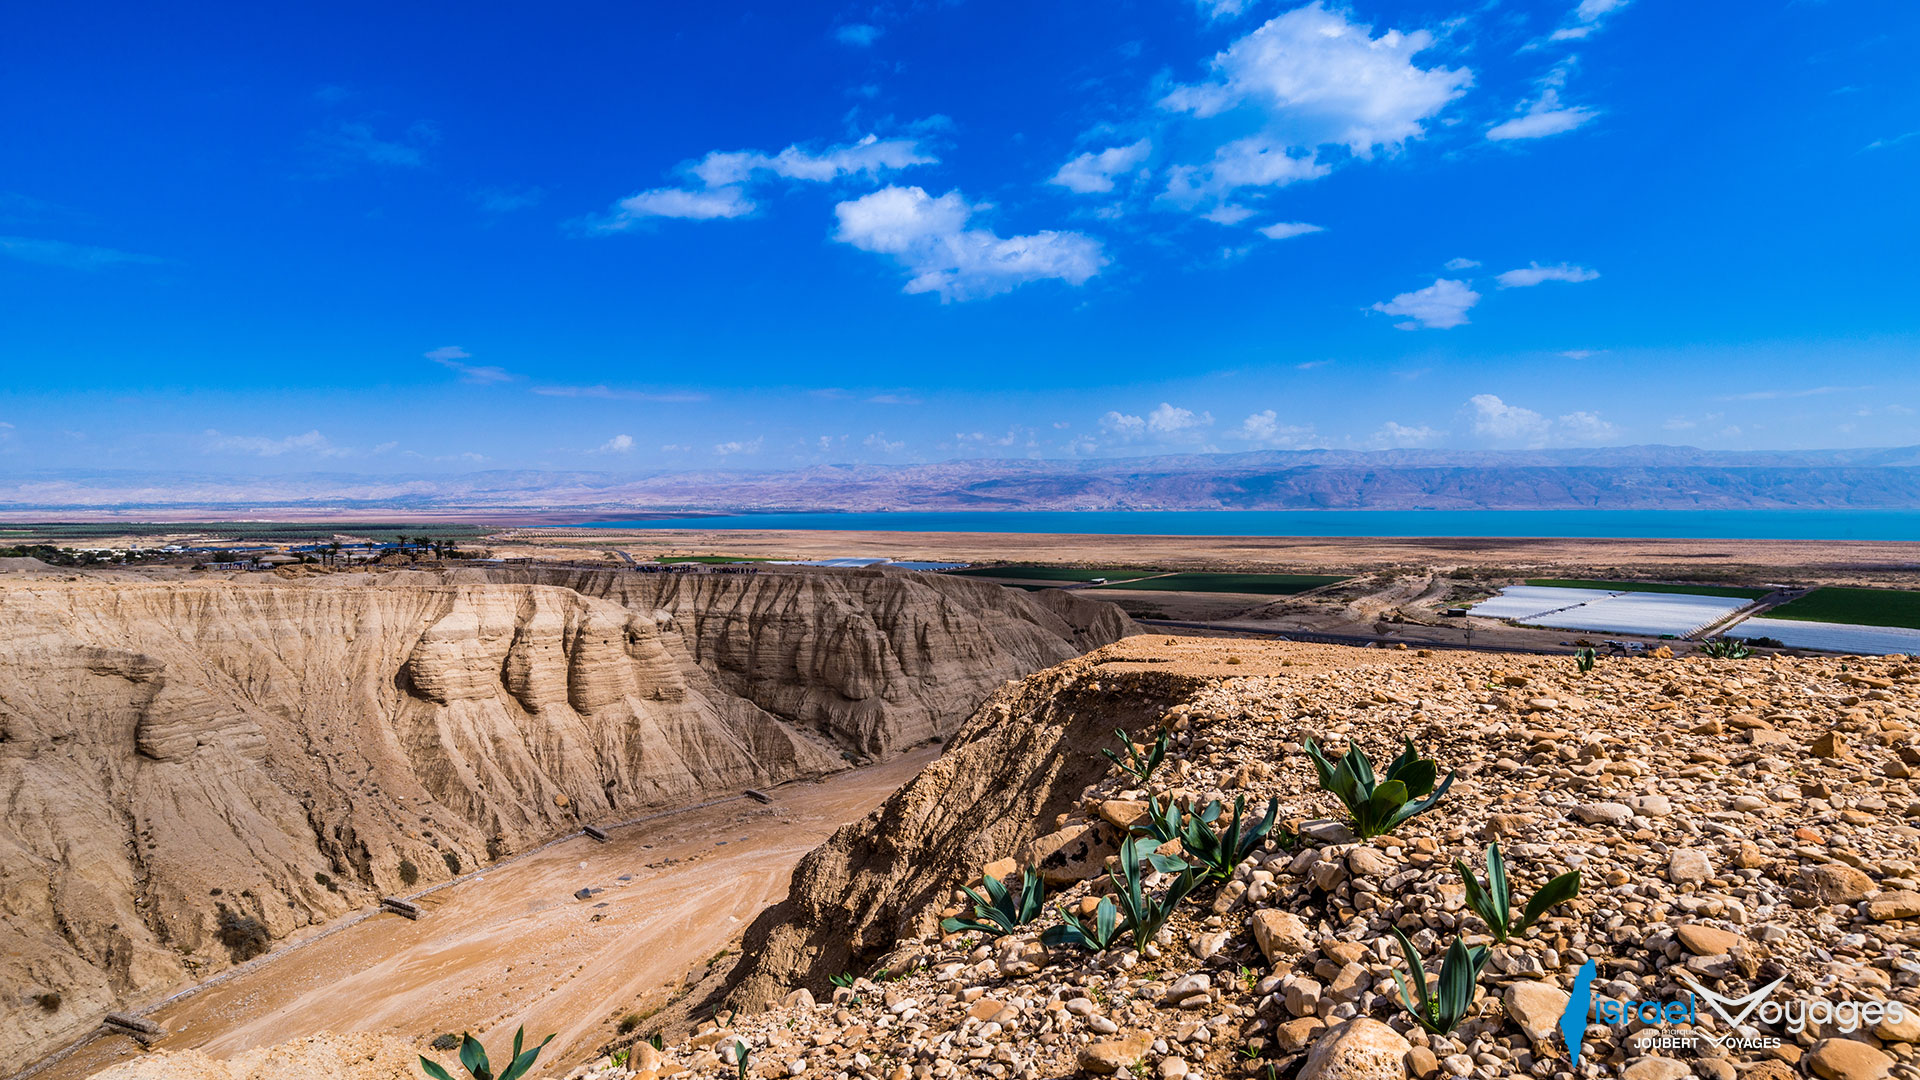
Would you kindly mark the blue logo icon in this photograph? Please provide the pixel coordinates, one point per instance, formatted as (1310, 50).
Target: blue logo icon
(1573, 1022)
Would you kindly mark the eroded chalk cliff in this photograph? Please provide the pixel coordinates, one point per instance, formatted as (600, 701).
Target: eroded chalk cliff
(191, 770)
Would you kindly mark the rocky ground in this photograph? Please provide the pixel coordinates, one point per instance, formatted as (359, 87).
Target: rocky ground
(1737, 822)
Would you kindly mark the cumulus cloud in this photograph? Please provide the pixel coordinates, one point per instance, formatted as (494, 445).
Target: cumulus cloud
(879, 441)
(1122, 425)
(1092, 173)
(1284, 230)
(1440, 306)
(718, 182)
(1544, 116)
(1173, 420)
(1265, 429)
(619, 444)
(452, 358)
(1222, 9)
(1499, 422)
(1535, 274)
(931, 239)
(736, 446)
(1321, 79)
(1256, 161)
(1457, 265)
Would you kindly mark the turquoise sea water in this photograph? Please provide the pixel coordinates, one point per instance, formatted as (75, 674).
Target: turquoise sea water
(1627, 524)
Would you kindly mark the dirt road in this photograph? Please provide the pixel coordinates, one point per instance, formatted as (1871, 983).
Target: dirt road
(515, 946)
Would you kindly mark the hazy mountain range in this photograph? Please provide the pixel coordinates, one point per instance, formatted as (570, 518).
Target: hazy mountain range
(1632, 477)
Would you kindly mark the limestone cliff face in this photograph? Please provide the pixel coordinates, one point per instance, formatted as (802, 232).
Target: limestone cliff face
(286, 751)
(1023, 759)
(877, 660)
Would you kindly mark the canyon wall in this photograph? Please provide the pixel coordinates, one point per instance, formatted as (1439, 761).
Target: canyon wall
(193, 769)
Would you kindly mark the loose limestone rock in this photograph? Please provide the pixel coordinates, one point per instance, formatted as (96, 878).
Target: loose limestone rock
(1848, 1059)
(1358, 1050)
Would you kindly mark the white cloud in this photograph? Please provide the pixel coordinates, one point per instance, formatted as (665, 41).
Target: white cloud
(609, 393)
(1095, 172)
(1284, 230)
(1265, 429)
(893, 399)
(1319, 79)
(450, 357)
(1439, 306)
(309, 444)
(1535, 274)
(727, 449)
(358, 142)
(1457, 265)
(1499, 422)
(721, 177)
(1172, 420)
(1123, 425)
(1585, 19)
(1582, 354)
(706, 205)
(870, 156)
(619, 444)
(930, 238)
(859, 35)
(1544, 116)
(878, 441)
(1255, 161)
(1392, 434)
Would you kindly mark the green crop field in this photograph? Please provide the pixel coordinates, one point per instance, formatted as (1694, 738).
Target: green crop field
(241, 531)
(1862, 607)
(1731, 591)
(1255, 584)
(1049, 573)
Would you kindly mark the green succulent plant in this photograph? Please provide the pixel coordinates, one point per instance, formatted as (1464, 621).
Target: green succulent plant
(1216, 854)
(1585, 659)
(1727, 649)
(1493, 901)
(1378, 807)
(473, 1057)
(1002, 911)
(1095, 935)
(1441, 1010)
(1144, 913)
(1139, 765)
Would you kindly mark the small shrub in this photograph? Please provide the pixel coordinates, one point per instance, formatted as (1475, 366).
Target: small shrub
(452, 861)
(1218, 853)
(1378, 808)
(473, 1058)
(845, 978)
(444, 1042)
(1584, 659)
(1136, 764)
(244, 936)
(409, 873)
(629, 1022)
(619, 1057)
(1001, 911)
(49, 1001)
(1492, 903)
(1440, 1012)
(1727, 649)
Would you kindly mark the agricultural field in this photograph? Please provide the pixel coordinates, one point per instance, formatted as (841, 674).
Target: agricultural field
(1832, 637)
(1250, 584)
(1573, 608)
(1649, 587)
(1066, 575)
(707, 560)
(1857, 607)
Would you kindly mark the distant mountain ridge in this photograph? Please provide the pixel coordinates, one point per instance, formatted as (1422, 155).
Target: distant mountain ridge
(1613, 478)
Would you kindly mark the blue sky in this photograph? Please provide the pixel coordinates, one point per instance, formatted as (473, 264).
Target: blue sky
(238, 238)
